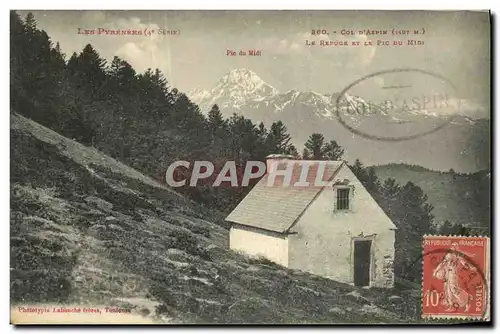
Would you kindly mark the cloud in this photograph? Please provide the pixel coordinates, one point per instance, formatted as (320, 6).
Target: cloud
(469, 108)
(458, 106)
(145, 54)
(141, 51)
(93, 16)
(300, 44)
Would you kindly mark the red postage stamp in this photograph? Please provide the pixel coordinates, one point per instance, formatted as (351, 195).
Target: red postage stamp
(455, 282)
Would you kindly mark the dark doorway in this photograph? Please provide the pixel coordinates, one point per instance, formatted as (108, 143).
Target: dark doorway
(362, 261)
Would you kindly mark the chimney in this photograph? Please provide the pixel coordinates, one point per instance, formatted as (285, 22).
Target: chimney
(273, 160)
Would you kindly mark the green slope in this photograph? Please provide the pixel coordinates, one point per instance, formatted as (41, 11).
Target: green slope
(88, 230)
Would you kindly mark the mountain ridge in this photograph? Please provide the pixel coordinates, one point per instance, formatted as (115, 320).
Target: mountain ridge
(246, 80)
(456, 197)
(461, 140)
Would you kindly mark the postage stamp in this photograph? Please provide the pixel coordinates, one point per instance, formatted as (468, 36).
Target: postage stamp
(455, 282)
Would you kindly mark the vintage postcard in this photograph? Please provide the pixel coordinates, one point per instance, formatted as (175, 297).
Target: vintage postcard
(250, 167)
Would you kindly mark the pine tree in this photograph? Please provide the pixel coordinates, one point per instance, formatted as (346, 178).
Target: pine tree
(261, 150)
(16, 26)
(278, 140)
(114, 68)
(72, 65)
(292, 150)
(261, 130)
(386, 196)
(315, 146)
(359, 170)
(91, 71)
(294, 153)
(30, 23)
(188, 116)
(317, 149)
(57, 58)
(412, 216)
(390, 188)
(215, 121)
(36, 48)
(305, 154)
(122, 79)
(157, 101)
(160, 84)
(243, 138)
(333, 151)
(36, 71)
(372, 183)
(17, 54)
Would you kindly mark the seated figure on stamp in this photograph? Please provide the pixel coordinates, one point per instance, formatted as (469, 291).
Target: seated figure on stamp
(447, 271)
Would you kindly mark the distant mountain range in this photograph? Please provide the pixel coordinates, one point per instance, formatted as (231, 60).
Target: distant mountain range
(461, 144)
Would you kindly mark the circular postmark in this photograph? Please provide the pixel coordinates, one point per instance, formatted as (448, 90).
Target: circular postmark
(454, 285)
(398, 104)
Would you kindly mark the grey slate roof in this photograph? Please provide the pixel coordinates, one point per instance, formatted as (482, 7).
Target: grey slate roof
(275, 207)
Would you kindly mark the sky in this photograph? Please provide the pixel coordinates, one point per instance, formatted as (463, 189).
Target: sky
(456, 46)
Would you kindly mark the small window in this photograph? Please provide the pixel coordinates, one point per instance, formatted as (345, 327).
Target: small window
(343, 199)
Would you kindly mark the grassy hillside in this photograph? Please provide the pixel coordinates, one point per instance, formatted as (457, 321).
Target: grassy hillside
(453, 195)
(88, 230)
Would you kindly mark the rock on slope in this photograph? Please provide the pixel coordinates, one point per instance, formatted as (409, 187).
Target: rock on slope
(88, 230)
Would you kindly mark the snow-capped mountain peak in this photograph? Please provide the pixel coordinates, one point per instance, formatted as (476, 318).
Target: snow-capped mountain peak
(233, 90)
(241, 77)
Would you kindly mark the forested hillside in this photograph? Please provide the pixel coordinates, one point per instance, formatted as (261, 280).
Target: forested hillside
(457, 198)
(135, 117)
